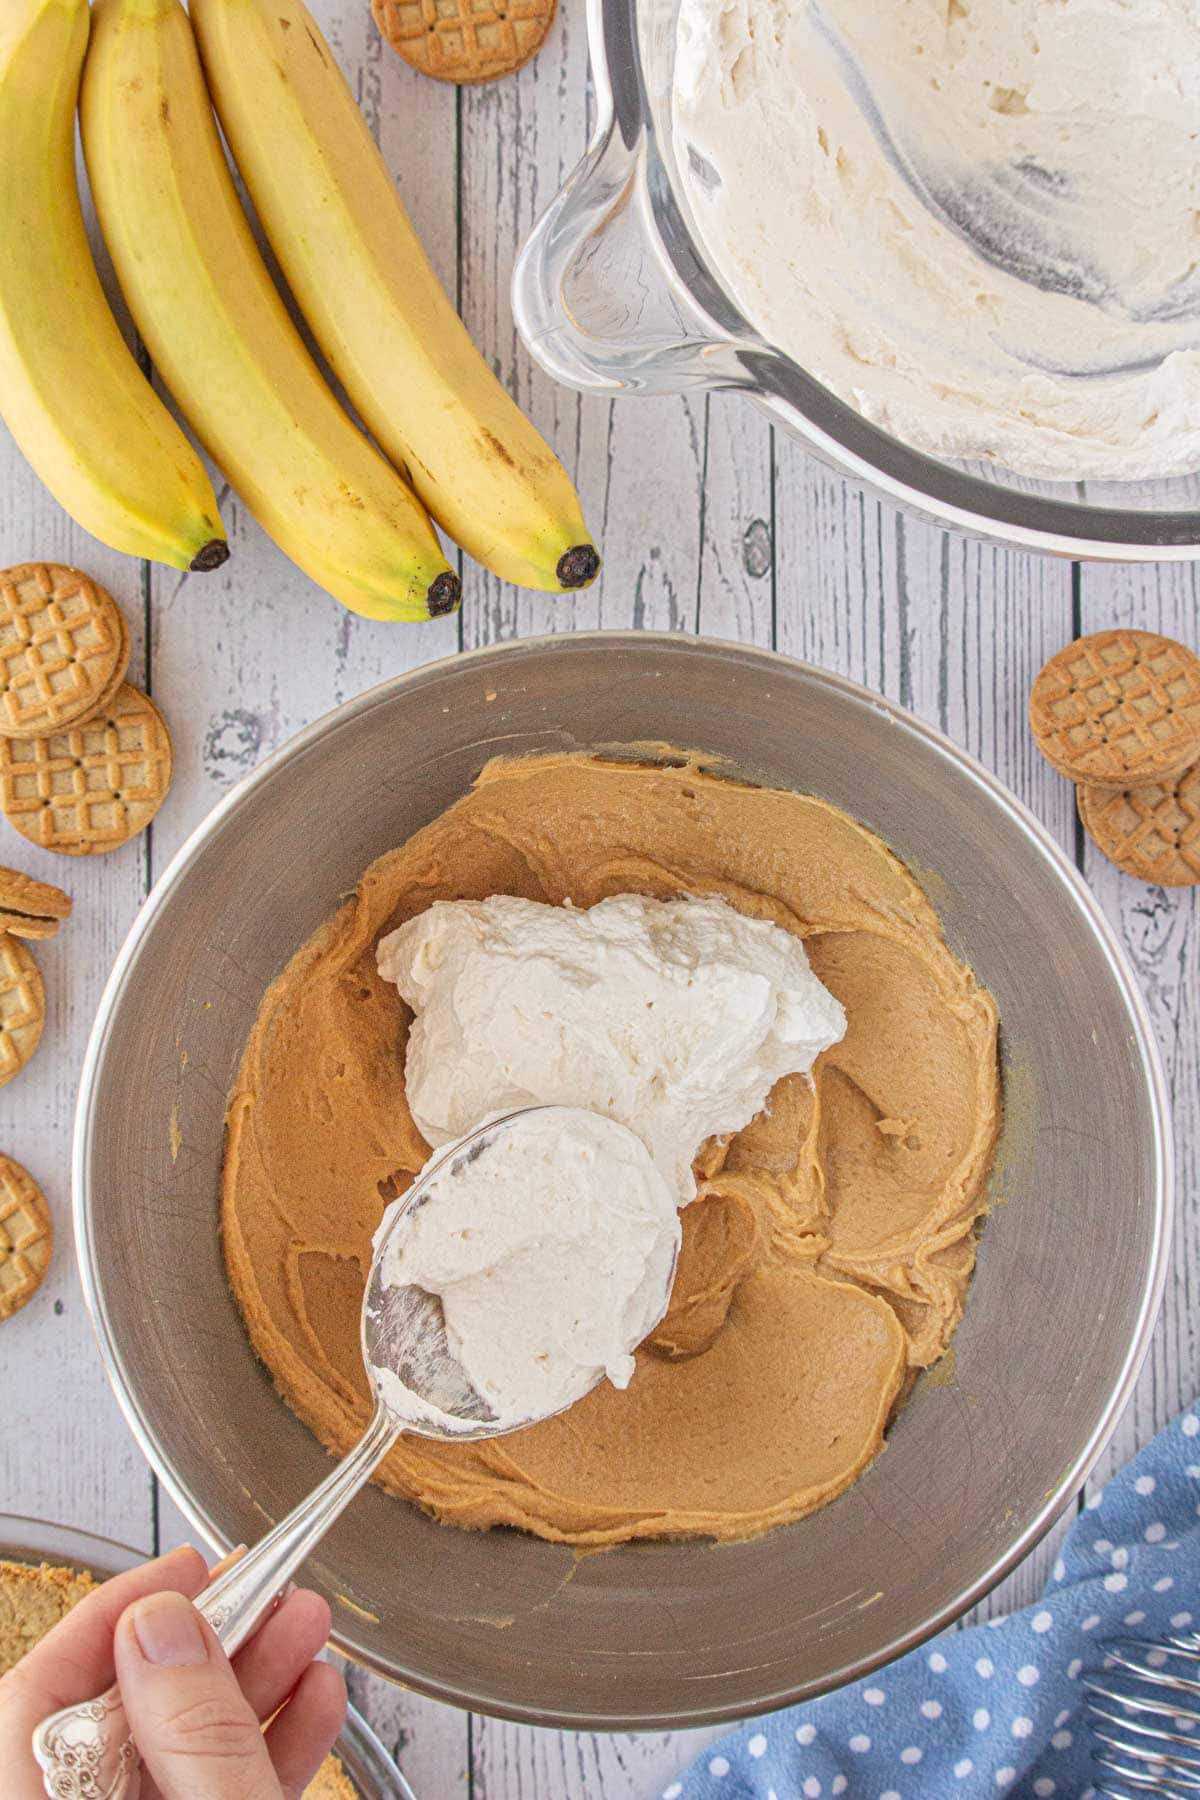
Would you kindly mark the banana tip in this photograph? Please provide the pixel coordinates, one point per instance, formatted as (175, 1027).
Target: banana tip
(578, 565)
(445, 593)
(210, 556)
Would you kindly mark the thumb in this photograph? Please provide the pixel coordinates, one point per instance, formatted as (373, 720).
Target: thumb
(198, 1735)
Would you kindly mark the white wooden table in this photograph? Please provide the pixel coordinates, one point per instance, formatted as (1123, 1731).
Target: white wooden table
(708, 522)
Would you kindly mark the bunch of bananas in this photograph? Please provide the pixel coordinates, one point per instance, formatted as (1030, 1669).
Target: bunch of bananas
(454, 445)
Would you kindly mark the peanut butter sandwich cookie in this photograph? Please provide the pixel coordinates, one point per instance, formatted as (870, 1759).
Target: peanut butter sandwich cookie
(92, 788)
(26, 1237)
(29, 908)
(64, 648)
(1118, 709)
(465, 40)
(22, 1007)
(1151, 831)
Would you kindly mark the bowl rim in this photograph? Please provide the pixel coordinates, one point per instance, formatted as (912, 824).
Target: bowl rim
(465, 1694)
(67, 1546)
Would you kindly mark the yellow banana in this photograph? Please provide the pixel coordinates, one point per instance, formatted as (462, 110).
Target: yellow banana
(375, 306)
(218, 331)
(78, 406)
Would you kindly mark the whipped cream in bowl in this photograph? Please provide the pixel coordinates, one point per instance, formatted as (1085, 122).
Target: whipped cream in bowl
(674, 1017)
(976, 221)
(607, 1045)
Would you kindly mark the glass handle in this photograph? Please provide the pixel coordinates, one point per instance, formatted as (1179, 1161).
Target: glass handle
(594, 293)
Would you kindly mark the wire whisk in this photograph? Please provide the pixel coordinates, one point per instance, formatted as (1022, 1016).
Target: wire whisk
(1144, 1711)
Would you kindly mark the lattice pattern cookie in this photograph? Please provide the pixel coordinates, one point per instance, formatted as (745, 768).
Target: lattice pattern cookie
(64, 648)
(22, 1007)
(91, 788)
(1118, 709)
(26, 1236)
(1151, 832)
(465, 40)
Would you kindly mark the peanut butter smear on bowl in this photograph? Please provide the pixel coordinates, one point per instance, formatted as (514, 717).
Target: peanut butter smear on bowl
(827, 1254)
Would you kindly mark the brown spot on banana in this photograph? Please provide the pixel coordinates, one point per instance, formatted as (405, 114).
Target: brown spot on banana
(497, 449)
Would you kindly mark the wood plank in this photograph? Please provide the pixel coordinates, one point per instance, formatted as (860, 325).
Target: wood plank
(1160, 930)
(521, 1762)
(735, 595)
(952, 629)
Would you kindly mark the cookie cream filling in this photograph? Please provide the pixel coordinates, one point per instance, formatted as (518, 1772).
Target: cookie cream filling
(552, 1249)
(674, 1017)
(978, 221)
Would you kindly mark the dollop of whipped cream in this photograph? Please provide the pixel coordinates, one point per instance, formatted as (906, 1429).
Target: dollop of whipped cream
(674, 1017)
(552, 1251)
(978, 221)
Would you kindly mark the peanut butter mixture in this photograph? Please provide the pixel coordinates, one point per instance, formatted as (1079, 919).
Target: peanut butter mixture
(826, 1258)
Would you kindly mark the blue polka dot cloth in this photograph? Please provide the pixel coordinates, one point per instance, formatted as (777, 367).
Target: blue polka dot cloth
(997, 1709)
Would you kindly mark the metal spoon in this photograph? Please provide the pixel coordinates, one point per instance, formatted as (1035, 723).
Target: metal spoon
(403, 1331)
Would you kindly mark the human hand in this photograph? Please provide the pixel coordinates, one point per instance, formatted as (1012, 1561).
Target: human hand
(196, 1718)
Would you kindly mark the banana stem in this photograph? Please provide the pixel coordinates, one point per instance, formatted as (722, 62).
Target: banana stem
(578, 565)
(209, 556)
(445, 594)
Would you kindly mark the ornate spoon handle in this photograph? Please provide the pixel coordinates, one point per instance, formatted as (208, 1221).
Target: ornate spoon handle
(85, 1751)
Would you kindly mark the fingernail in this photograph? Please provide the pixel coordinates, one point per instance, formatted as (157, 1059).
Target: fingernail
(226, 1563)
(167, 1628)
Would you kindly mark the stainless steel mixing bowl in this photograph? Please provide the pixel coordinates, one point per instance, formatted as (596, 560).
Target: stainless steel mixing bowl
(614, 293)
(976, 1467)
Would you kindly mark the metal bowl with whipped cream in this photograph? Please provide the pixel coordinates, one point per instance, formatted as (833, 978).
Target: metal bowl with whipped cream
(978, 1462)
(952, 248)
